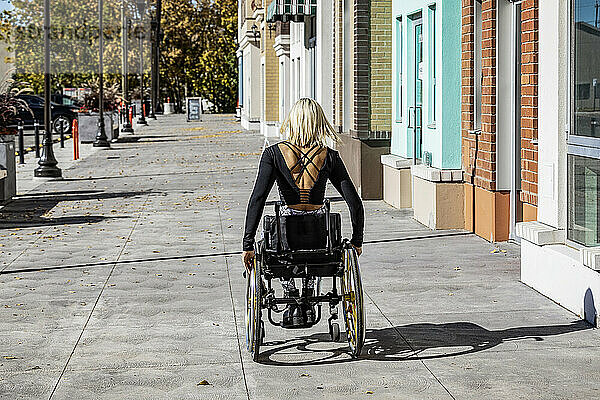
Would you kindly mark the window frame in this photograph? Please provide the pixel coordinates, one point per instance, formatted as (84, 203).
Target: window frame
(578, 145)
(432, 48)
(399, 64)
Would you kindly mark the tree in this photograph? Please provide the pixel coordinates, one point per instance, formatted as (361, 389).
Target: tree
(198, 56)
(197, 52)
(74, 40)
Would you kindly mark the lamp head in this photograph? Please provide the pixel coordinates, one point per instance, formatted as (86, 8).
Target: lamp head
(141, 5)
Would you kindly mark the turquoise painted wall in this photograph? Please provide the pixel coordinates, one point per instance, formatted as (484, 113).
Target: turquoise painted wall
(442, 138)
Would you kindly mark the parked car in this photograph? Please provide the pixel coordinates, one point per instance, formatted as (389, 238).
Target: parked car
(66, 100)
(62, 115)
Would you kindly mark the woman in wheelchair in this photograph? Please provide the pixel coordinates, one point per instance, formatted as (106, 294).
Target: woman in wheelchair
(301, 166)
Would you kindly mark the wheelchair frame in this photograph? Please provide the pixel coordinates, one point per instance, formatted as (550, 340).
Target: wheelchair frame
(342, 263)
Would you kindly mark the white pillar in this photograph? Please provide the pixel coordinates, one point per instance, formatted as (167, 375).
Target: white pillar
(553, 111)
(325, 56)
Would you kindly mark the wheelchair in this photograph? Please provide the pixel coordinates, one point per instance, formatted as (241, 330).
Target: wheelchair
(305, 246)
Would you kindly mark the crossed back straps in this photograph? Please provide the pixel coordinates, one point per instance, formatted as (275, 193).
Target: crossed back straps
(304, 166)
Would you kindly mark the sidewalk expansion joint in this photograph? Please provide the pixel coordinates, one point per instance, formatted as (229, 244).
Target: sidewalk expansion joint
(115, 263)
(237, 333)
(409, 345)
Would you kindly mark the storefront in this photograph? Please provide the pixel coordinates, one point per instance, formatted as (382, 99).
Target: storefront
(561, 250)
(423, 169)
(249, 55)
(296, 59)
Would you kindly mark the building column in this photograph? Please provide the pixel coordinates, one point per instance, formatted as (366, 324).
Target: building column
(324, 51)
(362, 20)
(282, 51)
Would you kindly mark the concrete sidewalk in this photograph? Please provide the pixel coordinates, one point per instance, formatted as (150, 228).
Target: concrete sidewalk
(123, 281)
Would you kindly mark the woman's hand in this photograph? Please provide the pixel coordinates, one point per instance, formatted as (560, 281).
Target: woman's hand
(358, 250)
(248, 260)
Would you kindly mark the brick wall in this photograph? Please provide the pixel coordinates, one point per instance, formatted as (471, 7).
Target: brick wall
(468, 85)
(271, 95)
(361, 68)
(485, 174)
(529, 101)
(380, 35)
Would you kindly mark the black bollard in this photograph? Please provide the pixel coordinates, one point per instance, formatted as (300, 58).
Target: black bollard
(36, 131)
(62, 134)
(21, 144)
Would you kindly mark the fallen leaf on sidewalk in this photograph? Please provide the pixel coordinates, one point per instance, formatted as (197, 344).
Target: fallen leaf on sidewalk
(10, 357)
(457, 268)
(369, 392)
(305, 375)
(203, 382)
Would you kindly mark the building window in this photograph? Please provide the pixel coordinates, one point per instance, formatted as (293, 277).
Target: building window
(584, 200)
(478, 65)
(293, 80)
(399, 69)
(312, 44)
(241, 81)
(432, 64)
(583, 158)
(586, 69)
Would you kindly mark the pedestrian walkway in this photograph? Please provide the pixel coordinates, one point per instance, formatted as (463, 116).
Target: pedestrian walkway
(123, 281)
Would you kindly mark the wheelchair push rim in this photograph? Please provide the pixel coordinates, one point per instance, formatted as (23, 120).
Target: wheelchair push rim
(353, 302)
(253, 310)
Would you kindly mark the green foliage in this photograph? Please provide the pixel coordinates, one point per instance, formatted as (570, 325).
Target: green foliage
(197, 52)
(198, 57)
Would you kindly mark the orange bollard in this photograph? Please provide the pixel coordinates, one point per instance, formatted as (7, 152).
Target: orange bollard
(75, 139)
(144, 109)
(130, 115)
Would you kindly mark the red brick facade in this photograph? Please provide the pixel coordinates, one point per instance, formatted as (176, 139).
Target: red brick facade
(485, 173)
(529, 101)
(468, 85)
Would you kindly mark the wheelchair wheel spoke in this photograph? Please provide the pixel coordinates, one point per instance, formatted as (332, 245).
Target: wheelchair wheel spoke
(353, 302)
(253, 310)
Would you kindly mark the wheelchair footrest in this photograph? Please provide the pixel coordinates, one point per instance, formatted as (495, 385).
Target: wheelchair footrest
(300, 326)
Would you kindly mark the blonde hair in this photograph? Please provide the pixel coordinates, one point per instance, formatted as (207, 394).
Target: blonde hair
(307, 125)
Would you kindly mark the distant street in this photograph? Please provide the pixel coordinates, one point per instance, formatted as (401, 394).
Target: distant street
(124, 281)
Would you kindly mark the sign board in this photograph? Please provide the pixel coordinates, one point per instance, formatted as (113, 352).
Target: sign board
(194, 108)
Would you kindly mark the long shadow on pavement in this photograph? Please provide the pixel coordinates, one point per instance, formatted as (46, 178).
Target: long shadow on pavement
(28, 210)
(423, 341)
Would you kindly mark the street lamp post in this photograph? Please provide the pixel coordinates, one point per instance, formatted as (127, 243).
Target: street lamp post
(158, 38)
(101, 139)
(127, 128)
(141, 4)
(154, 37)
(47, 163)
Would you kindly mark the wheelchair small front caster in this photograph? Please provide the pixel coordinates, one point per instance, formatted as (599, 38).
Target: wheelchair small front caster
(334, 331)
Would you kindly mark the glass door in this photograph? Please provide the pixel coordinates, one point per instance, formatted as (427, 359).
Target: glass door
(418, 107)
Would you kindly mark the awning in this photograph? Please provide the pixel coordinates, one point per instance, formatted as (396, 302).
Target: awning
(291, 10)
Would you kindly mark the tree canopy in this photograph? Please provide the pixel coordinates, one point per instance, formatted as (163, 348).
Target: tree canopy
(198, 54)
(197, 48)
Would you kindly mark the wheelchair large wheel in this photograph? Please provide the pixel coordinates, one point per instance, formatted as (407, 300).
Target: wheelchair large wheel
(353, 302)
(254, 324)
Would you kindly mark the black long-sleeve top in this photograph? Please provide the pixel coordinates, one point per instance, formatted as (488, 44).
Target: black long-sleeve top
(273, 168)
